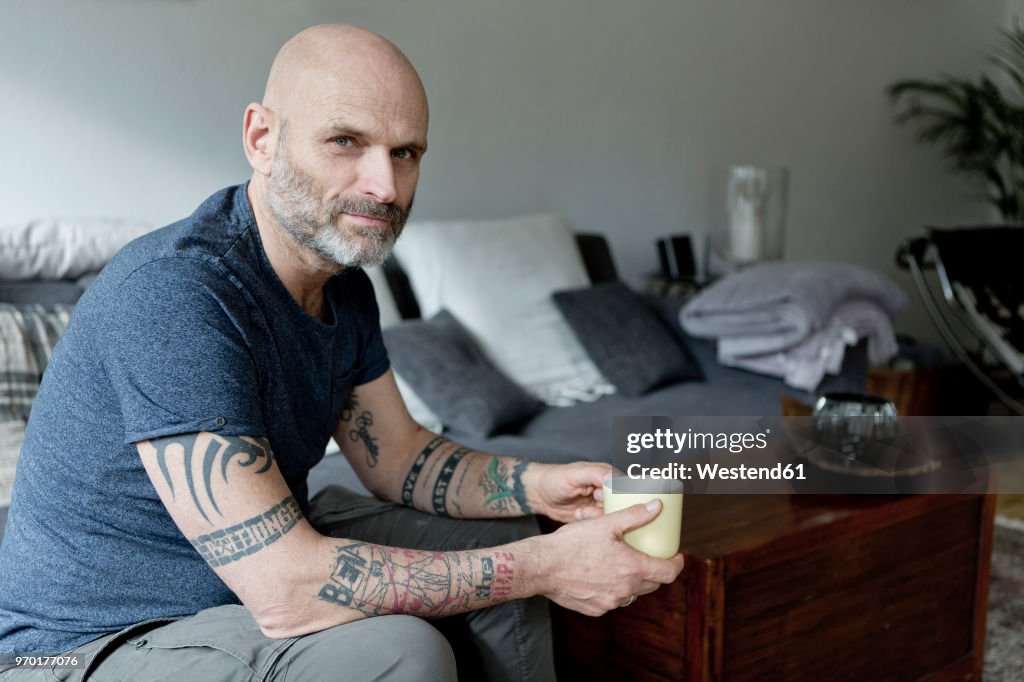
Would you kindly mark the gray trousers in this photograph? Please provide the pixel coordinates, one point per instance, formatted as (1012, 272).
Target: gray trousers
(510, 641)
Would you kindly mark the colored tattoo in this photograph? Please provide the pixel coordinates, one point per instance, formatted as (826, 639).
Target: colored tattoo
(360, 433)
(409, 484)
(378, 580)
(504, 490)
(517, 485)
(205, 457)
(242, 539)
(439, 499)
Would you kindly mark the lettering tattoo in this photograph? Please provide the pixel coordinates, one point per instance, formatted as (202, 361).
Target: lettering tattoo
(204, 455)
(409, 484)
(503, 490)
(378, 580)
(242, 539)
(440, 496)
(360, 432)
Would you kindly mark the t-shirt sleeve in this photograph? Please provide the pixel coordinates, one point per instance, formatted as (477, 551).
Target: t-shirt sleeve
(177, 352)
(374, 361)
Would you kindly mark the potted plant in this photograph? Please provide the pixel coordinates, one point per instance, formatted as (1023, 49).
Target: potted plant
(978, 124)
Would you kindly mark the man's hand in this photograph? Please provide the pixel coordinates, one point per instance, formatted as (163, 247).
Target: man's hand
(566, 492)
(588, 567)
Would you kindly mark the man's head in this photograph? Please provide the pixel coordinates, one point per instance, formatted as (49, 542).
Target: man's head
(335, 146)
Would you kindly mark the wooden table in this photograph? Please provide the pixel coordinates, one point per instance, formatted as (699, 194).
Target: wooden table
(791, 588)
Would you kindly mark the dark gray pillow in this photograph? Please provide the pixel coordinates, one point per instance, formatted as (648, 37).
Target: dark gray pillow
(625, 338)
(44, 292)
(444, 366)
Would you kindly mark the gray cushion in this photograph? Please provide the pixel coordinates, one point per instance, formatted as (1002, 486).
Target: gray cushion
(625, 338)
(444, 366)
(46, 292)
(584, 431)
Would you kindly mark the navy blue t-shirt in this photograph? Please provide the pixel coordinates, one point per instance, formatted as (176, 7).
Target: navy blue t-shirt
(187, 329)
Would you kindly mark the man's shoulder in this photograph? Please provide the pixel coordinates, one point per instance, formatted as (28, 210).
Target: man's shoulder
(221, 229)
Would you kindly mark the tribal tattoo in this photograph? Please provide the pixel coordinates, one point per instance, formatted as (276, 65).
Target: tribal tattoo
(360, 433)
(242, 539)
(205, 458)
(379, 580)
(503, 490)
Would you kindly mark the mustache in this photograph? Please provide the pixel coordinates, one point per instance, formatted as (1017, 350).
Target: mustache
(392, 213)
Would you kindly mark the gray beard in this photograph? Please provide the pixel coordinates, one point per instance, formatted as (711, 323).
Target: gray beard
(297, 203)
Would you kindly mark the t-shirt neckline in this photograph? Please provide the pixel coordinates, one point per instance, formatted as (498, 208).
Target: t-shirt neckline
(243, 208)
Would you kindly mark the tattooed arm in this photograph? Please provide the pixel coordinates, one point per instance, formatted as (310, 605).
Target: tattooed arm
(399, 460)
(229, 499)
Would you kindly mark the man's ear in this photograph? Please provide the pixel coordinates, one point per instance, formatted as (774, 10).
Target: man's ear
(257, 139)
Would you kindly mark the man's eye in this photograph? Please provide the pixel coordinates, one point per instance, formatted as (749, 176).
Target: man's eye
(405, 154)
(344, 141)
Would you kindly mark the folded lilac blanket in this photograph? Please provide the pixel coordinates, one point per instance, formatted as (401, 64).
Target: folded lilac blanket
(771, 307)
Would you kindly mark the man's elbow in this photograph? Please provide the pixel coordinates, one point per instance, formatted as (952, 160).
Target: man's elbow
(385, 493)
(281, 620)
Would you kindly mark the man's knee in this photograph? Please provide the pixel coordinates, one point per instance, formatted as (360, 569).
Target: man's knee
(426, 654)
(385, 647)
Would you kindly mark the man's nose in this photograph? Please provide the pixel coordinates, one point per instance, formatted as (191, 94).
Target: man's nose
(377, 176)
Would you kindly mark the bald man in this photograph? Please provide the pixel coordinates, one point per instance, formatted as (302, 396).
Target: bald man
(160, 525)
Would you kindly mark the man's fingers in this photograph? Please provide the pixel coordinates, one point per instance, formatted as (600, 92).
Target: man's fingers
(635, 516)
(589, 474)
(663, 571)
(591, 512)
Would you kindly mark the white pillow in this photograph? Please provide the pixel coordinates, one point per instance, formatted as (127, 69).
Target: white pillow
(62, 248)
(389, 316)
(497, 277)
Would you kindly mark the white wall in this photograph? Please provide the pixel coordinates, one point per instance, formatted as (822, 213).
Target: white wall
(616, 114)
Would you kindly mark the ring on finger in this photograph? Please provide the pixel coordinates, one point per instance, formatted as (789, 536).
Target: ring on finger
(632, 598)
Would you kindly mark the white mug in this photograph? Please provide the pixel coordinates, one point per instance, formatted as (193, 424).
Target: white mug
(660, 537)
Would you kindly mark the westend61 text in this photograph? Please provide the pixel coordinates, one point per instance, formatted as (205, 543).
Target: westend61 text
(714, 472)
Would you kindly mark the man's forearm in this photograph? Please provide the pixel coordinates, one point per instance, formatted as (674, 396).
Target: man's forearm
(330, 581)
(450, 480)
(377, 580)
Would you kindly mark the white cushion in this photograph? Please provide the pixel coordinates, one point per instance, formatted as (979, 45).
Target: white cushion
(389, 316)
(62, 248)
(497, 277)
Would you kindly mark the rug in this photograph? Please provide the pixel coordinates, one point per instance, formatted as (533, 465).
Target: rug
(1004, 636)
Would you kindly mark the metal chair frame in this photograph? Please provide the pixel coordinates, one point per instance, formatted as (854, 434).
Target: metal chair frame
(957, 311)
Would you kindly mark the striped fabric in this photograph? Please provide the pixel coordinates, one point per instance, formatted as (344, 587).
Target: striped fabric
(12, 433)
(28, 334)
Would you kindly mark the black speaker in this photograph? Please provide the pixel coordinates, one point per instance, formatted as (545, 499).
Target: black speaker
(675, 254)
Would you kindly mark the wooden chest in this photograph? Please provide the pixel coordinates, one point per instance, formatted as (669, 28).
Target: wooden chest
(791, 588)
